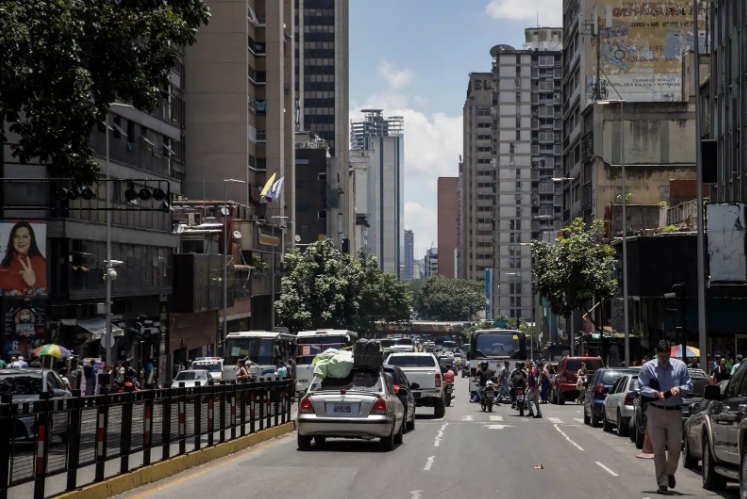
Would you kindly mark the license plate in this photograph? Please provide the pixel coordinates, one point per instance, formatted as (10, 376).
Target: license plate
(416, 394)
(342, 409)
(491, 395)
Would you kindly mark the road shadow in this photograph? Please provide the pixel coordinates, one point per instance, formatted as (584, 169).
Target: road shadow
(350, 446)
(426, 416)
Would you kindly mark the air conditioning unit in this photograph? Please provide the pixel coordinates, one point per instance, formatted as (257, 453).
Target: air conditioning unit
(194, 218)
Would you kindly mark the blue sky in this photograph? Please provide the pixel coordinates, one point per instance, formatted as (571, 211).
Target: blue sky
(412, 58)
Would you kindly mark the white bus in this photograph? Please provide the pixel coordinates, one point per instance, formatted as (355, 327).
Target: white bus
(265, 349)
(495, 346)
(311, 343)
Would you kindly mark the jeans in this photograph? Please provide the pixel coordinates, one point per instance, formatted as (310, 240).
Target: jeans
(478, 394)
(533, 396)
(545, 387)
(505, 390)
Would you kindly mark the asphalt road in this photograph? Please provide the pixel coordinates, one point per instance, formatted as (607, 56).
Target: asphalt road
(468, 453)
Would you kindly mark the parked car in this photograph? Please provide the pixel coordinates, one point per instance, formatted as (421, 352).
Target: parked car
(403, 388)
(600, 385)
(723, 433)
(423, 368)
(618, 406)
(693, 430)
(26, 386)
(191, 378)
(363, 405)
(700, 381)
(564, 385)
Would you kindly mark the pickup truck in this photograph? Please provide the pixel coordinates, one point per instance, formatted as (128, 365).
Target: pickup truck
(422, 368)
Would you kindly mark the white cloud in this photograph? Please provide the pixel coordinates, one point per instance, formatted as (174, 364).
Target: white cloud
(433, 144)
(550, 11)
(421, 101)
(397, 78)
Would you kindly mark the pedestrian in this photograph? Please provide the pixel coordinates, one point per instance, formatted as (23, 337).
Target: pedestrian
(533, 385)
(89, 374)
(545, 382)
(130, 374)
(721, 372)
(664, 380)
(503, 376)
(3, 364)
(736, 366)
(119, 372)
(241, 371)
(581, 383)
(695, 363)
(22, 362)
(63, 375)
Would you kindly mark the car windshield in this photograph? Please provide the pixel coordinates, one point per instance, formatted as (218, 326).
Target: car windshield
(386, 342)
(309, 347)
(213, 367)
(609, 377)
(412, 361)
(405, 341)
(699, 386)
(189, 376)
(575, 364)
(259, 350)
(497, 345)
(357, 381)
(21, 384)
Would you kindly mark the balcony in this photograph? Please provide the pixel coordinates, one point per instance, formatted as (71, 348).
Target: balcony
(142, 153)
(558, 201)
(256, 48)
(257, 77)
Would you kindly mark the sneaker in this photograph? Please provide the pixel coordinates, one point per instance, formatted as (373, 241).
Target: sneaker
(663, 490)
(538, 416)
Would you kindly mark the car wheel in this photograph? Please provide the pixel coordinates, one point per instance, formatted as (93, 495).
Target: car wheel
(553, 398)
(594, 419)
(439, 409)
(622, 428)
(411, 424)
(304, 443)
(561, 398)
(400, 434)
(448, 401)
(586, 417)
(639, 437)
(632, 429)
(606, 425)
(388, 442)
(688, 460)
(711, 479)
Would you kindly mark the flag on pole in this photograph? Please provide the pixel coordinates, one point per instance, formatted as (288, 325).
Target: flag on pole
(268, 185)
(276, 187)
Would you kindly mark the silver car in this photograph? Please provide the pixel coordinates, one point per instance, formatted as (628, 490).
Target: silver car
(192, 378)
(618, 406)
(363, 405)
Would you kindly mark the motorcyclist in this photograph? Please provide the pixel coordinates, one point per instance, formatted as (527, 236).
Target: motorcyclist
(485, 374)
(503, 376)
(518, 379)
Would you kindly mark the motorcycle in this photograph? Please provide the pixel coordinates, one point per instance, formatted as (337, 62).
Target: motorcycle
(520, 400)
(487, 398)
(448, 394)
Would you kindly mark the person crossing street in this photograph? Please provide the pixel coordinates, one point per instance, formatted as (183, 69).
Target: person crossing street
(533, 383)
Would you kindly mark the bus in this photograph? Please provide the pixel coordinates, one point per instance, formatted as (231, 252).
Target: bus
(311, 343)
(264, 348)
(495, 346)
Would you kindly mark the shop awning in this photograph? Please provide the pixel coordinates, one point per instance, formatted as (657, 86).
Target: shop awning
(96, 329)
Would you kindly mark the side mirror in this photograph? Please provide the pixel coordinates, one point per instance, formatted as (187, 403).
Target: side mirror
(414, 386)
(712, 392)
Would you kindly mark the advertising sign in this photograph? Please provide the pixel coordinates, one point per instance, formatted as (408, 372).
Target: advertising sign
(23, 250)
(24, 324)
(641, 48)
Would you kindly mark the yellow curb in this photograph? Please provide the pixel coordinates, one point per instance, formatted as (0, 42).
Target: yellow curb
(164, 469)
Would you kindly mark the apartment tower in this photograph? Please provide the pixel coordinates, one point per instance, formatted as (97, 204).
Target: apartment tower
(447, 225)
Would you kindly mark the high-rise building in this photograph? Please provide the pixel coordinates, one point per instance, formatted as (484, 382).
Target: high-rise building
(512, 151)
(409, 255)
(430, 263)
(460, 223)
(239, 84)
(447, 225)
(379, 187)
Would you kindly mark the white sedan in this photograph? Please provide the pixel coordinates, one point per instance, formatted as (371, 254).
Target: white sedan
(191, 378)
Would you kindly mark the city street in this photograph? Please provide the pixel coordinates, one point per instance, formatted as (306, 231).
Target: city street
(466, 454)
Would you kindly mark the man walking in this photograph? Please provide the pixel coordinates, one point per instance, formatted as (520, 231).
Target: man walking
(503, 375)
(663, 380)
(534, 389)
(736, 366)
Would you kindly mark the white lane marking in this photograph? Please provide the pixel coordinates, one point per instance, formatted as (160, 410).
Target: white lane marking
(429, 463)
(440, 435)
(606, 469)
(496, 418)
(498, 426)
(467, 418)
(415, 494)
(579, 420)
(555, 420)
(567, 438)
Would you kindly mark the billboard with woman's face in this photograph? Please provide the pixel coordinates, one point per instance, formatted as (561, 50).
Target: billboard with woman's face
(23, 268)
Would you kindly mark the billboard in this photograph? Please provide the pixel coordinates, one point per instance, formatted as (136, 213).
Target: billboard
(24, 325)
(23, 254)
(642, 43)
(727, 259)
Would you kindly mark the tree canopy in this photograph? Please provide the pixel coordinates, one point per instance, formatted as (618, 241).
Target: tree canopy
(323, 288)
(65, 61)
(444, 299)
(576, 269)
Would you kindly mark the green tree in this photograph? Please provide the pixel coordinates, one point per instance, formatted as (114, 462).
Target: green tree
(444, 299)
(576, 269)
(323, 288)
(65, 61)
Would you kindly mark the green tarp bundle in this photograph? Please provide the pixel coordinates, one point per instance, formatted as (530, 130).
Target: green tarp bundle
(333, 363)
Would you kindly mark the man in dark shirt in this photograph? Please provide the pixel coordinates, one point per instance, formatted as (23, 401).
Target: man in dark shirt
(518, 379)
(485, 374)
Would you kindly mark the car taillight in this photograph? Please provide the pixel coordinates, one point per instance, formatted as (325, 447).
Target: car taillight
(438, 380)
(379, 407)
(305, 407)
(600, 388)
(396, 388)
(628, 399)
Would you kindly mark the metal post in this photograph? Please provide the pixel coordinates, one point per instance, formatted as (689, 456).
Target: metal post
(7, 423)
(702, 328)
(43, 436)
(197, 415)
(147, 427)
(109, 266)
(626, 318)
(73, 439)
(222, 412)
(272, 296)
(225, 265)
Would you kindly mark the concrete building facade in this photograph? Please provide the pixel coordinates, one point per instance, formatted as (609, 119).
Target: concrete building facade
(447, 225)
(409, 255)
(430, 263)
